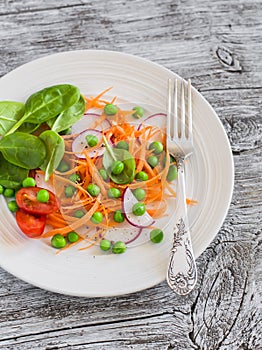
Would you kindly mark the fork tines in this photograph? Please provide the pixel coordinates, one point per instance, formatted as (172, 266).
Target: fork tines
(179, 125)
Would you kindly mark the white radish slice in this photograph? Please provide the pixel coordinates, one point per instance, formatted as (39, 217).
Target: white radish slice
(128, 202)
(88, 121)
(40, 182)
(158, 119)
(79, 144)
(134, 236)
(123, 232)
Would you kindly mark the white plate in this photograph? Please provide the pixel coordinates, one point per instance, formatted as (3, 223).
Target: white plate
(209, 178)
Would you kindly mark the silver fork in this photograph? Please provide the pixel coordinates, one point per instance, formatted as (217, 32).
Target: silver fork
(182, 272)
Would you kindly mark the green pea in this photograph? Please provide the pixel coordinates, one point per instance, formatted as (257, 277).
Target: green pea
(139, 112)
(119, 247)
(139, 209)
(156, 235)
(79, 214)
(58, 241)
(93, 189)
(42, 196)
(117, 167)
(123, 145)
(9, 192)
(29, 182)
(105, 244)
(157, 147)
(113, 193)
(12, 205)
(140, 194)
(63, 166)
(97, 217)
(75, 178)
(1, 189)
(69, 191)
(103, 174)
(91, 140)
(110, 109)
(152, 161)
(141, 176)
(119, 216)
(172, 159)
(172, 173)
(72, 237)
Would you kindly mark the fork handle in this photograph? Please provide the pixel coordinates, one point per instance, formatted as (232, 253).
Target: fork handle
(182, 272)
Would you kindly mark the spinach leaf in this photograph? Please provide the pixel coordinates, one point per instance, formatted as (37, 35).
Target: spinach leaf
(10, 113)
(113, 154)
(47, 104)
(69, 116)
(24, 150)
(28, 127)
(55, 148)
(11, 176)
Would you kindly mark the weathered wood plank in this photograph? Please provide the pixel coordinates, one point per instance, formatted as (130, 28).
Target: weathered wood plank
(8, 7)
(183, 38)
(42, 312)
(106, 336)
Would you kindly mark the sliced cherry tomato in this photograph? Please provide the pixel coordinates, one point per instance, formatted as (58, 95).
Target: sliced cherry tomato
(26, 199)
(30, 224)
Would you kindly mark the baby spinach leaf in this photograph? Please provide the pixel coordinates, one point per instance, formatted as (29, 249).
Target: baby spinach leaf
(10, 113)
(69, 116)
(47, 104)
(24, 150)
(11, 176)
(55, 148)
(28, 127)
(113, 154)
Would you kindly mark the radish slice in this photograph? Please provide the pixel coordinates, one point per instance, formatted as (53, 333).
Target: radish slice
(129, 200)
(158, 119)
(40, 182)
(88, 121)
(134, 236)
(125, 233)
(79, 144)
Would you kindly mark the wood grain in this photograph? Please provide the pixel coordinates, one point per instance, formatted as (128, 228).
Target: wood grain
(218, 45)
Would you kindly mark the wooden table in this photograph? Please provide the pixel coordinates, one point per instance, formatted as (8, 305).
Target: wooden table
(219, 46)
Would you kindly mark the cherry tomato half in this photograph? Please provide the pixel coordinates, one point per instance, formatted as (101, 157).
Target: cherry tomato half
(30, 224)
(26, 199)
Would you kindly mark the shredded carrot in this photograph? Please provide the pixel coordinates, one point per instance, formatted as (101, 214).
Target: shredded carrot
(157, 188)
(93, 102)
(96, 237)
(74, 225)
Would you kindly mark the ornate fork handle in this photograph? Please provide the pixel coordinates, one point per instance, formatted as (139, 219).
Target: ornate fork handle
(182, 272)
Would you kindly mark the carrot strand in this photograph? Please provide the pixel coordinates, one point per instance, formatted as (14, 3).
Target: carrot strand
(158, 188)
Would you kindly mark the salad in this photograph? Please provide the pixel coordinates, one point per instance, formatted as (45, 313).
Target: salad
(81, 169)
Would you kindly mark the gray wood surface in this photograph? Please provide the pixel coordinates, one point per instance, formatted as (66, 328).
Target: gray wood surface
(219, 46)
